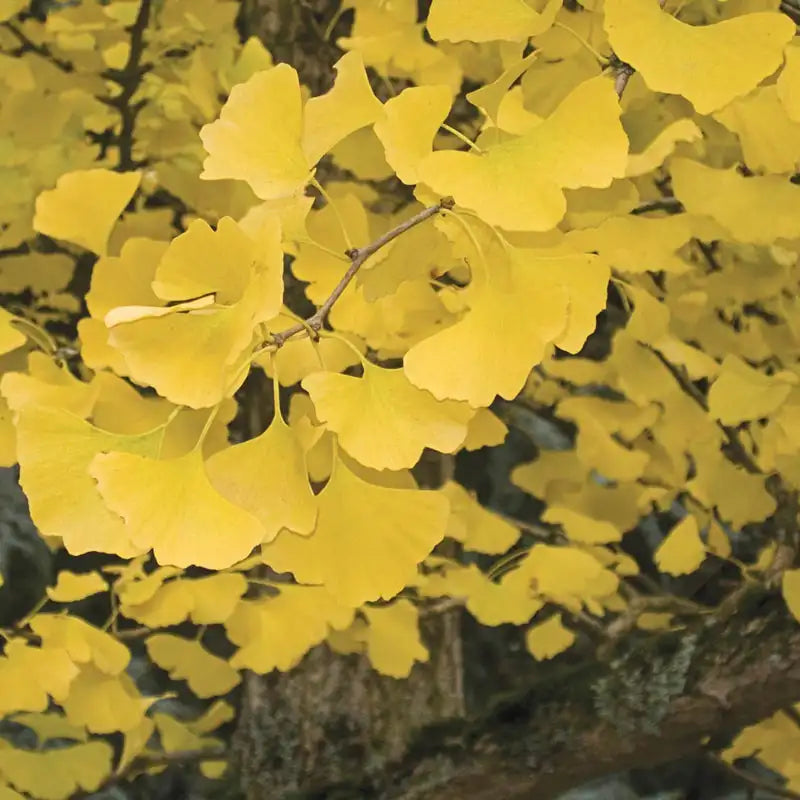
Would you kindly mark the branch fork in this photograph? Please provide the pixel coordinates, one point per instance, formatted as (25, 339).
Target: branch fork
(357, 255)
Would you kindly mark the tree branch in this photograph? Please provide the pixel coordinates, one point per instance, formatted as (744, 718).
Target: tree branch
(654, 702)
(752, 782)
(129, 79)
(357, 258)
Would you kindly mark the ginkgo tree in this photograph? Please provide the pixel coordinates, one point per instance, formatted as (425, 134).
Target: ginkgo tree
(585, 213)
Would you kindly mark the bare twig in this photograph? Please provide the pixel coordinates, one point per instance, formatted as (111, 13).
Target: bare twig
(41, 50)
(129, 79)
(753, 782)
(737, 449)
(357, 258)
(669, 204)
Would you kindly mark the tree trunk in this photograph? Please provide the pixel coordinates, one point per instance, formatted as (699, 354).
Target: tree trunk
(333, 728)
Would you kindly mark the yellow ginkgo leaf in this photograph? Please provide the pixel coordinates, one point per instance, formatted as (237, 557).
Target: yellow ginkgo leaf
(485, 430)
(718, 541)
(657, 152)
(347, 107)
(740, 496)
(126, 279)
(218, 713)
(551, 471)
(29, 674)
(180, 736)
(683, 550)
(10, 7)
(8, 436)
(58, 773)
(72, 586)
(207, 357)
(741, 393)
(84, 206)
(186, 659)
(489, 602)
(513, 315)
(239, 280)
(215, 596)
(518, 184)
(636, 244)
(105, 703)
(733, 56)
(757, 209)
(790, 585)
(585, 278)
(253, 57)
(171, 507)
(47, 384)
(582, 528)
(84, 643)
(564, 575)
(267, 477)
(222, 263)
(51, 725)
(393, 640)
(55, 449)
(368, 540)
(383, 420)
(257, 135)
(769, 138)
(476, 527)
(136, 740)
(300, 357)
(276, 632)
(276, 148)
(490, 97)
(549, 638)
(11, 337)
(788, 83)
(485, 21)
(207, 601)
(408, 126)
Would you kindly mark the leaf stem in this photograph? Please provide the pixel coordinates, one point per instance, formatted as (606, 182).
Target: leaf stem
(601, 59)
(207, 427)
(457, 133)
(357, 258)
(329, 200)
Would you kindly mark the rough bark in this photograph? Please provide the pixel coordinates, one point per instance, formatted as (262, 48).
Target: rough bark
(334, 729)
(332, 721)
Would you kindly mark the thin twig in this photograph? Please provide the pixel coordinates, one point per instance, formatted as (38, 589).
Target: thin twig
(669, 204)
(753, 782)
(41, 50)
(357, 258)
(738, 450)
